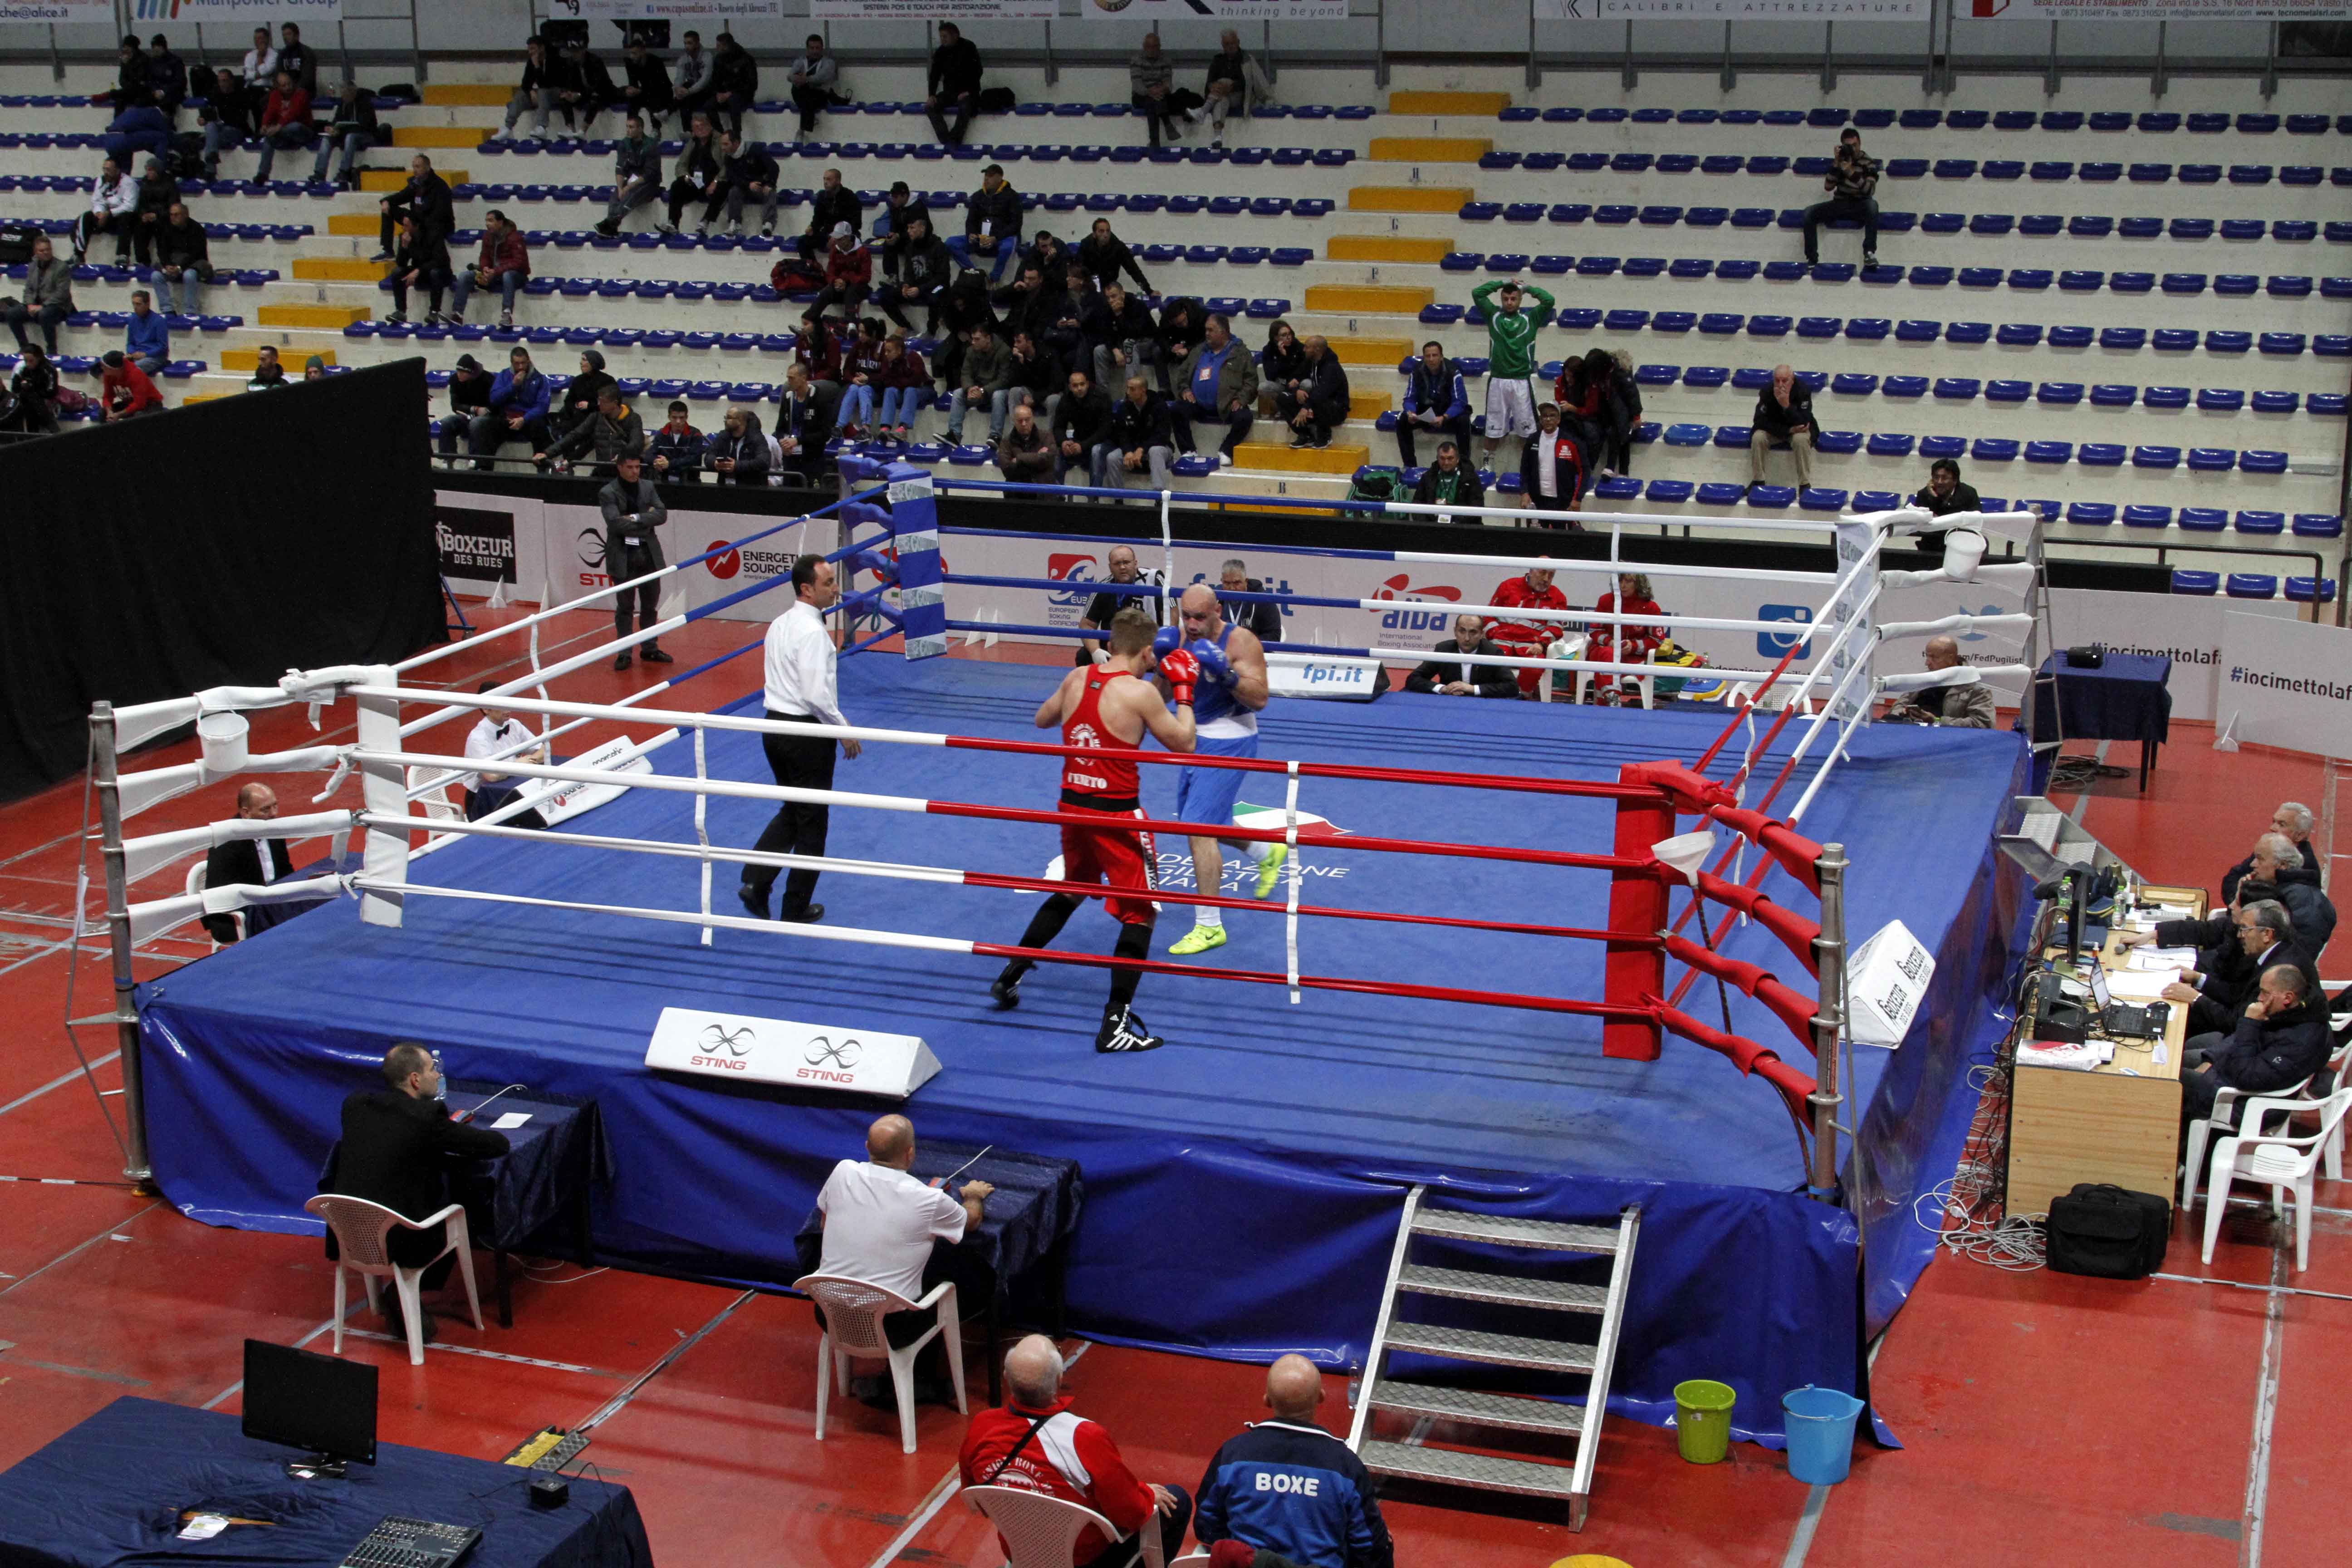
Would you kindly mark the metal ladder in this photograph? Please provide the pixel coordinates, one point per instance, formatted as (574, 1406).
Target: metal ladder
(1426, 1402)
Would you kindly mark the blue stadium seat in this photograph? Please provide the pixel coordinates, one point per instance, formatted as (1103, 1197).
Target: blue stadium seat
(1967, 332)
(2114, 395)
(1992, 224)
(2251, 174)
(2185, 282)
(1930, 277)
(2284, 287)
(2090, 514)
(1707, 217)
(1771, 498)
(1717, 493)
(2153, 456)
(2311, 590)
(1827, 501)
(1614, 213)
(1868, 329)
(2332, 345)
(2140, 229)
(1993, 450)
(2220, 400)
(2252, 585)
(2200, 174)
(1571, 212)
(2203, 519)
(1738, 268)
(1942, 223)
(2261, 461)
(2319, 405)
(1674, 321)
(2174, 339)
(2165, 397)
(1689, 435)
(1838, 443)
(1657, 374)
(1957, 388)
(2049, 453)
(2243, 229)
(2277, 402)
(2150, 174)
(2260, 523)
(1917, 329)
(1877, 500)
(2100, 455)
(1751, 378)
(2066, 337)
(1854, 384)
(2318, 525)
(2203, 583)
(1643, 266)
(2235, 285)
(1551, 266)
(2041, 226)
(1769, 326)
(1905, 386)
(1669, 493)
(2305, 174)
(1626, 320)
(2228, 342)
(1705, 377)
(2018, 334)
(2007, 390)
(1934, 446)
(1892, 444)
(1721, 323)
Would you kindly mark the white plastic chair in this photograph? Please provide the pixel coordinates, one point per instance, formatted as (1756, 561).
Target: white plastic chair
(2228, 1116)
(1569, 645)
(438, 807)
(854, 1311)
(1042, 1532)
(361, 1229)
(2276, 1160)
(196, 885)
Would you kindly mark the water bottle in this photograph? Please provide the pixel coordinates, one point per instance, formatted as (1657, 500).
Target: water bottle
(440, 1079)
(1355, 1385)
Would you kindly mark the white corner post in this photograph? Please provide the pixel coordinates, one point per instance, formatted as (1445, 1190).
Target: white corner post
(1858, 545)
(384, 786)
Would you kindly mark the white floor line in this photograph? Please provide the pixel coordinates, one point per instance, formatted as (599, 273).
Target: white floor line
(1801, 1543)
(2257, 1463)
(2274, 1290)
(59, 1082)
(82, 1248)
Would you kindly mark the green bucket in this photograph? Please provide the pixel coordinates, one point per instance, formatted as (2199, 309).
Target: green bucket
(1703, 1420)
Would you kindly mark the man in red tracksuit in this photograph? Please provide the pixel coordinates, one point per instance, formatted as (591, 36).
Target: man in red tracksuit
(1034, 1445)
(1527, 639)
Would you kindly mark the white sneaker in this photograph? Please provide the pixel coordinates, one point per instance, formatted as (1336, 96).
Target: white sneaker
(1224, 460)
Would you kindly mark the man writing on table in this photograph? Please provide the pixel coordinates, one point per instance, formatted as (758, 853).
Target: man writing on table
(801, 685)
(1102, 709)
(1231, 692)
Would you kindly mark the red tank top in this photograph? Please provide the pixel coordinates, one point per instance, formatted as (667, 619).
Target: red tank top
(1103, 777)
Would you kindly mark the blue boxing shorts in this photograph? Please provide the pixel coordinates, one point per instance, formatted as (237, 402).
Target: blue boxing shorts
(1206, 796)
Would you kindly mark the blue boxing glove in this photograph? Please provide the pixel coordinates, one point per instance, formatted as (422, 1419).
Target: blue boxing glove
(1166, 641)
(1214, 669)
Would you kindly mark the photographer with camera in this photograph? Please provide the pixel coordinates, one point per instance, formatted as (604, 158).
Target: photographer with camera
(1852, 183)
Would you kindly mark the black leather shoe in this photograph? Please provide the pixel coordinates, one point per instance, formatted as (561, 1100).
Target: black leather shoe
(807, 917)
(753, 900)
(1006, 989)
(652, 654)
(623, 662)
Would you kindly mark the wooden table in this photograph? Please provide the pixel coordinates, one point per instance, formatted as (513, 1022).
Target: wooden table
(2118, 1124)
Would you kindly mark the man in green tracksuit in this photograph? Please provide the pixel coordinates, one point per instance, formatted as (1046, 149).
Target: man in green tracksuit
(1510, 357)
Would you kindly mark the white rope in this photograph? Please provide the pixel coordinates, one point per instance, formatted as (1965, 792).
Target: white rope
(798, 929)
(1290, 838)
(781, 860)
(702, 829)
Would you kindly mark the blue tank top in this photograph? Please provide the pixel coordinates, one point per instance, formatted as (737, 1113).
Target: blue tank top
(1215, 705)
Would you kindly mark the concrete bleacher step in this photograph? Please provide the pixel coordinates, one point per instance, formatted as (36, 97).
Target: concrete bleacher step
(1430, 149)
(317, 318)
(1409, 198)
(1335, 458)
(1368, 299)
(245, 361)
(442, 135)
(353, 225)
(476, 95)
(337, 268)
(1393, 247)
(1479, 105)
(379, 181)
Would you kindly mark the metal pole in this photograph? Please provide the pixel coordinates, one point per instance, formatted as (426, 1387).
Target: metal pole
(2049, 74)
(1626, 75)
(1052, 74)
(1265, 48)
(1951, 73)
(1828, 1021)
(1535, 77)
(57, 61)
(2156, 82)
(1829, 56)
(118, 929)
(342, 47)
(1727, 78)
(2269, 66)
(1927, 76)
(1380, 46)
(415, 43)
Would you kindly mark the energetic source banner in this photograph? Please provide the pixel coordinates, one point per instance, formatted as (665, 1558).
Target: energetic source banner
(2163, 10)
(1731, 10)
(2286, 683)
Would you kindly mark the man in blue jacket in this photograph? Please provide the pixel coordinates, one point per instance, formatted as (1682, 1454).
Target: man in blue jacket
(1285, 1486)
(2281, 1039)
(1435, 400)
(518, 411)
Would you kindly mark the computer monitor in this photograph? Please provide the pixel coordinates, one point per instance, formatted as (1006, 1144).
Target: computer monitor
(322, 1404)
(2099, 991)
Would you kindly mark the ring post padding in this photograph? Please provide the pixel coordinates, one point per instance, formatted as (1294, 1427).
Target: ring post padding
(702, 827)
(1290, 838)
(922, 589)
(1637, 903)
(384, 784)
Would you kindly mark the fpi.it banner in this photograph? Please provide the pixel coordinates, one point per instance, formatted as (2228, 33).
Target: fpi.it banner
(2162, 10)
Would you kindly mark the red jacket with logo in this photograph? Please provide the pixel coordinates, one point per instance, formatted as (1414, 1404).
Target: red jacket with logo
(1070, 1458)
(1514, 594)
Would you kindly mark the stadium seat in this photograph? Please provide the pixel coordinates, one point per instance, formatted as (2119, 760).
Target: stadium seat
(2252, 585)
(1892, 444)
(2090, 514)
(2050, 454)
(2203, 519)
(2262, 462)
(2165, 397)
(2277, 402)
(1993, 450)
(2260, 523)
(1868, 329)
(2065, 337)
(1969, 332)
(2100, 455)
(2153, 456)
(1854, 384)
(1905, 386)
(1705, 376)
(2318, 525)
(1934, 446)
(1917, 331)
(2203, 584)
(2311, 590)
(2220, 400)
(2148, 516)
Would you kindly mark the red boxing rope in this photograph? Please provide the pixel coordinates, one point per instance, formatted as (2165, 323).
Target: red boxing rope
(1795, 1087)
(1521, 783)
(1792, 1006)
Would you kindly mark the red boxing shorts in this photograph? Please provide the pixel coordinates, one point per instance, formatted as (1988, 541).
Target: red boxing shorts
(1123, 858)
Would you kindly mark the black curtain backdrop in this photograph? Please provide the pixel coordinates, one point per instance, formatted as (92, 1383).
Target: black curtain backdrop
(219, 544)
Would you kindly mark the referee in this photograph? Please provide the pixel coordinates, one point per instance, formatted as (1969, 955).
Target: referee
(801, 686)
(1102, 607)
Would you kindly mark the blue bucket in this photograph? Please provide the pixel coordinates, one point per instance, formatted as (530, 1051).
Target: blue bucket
(1821, 1433)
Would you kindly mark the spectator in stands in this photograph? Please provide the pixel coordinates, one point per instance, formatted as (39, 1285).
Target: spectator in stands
(427, 195)
(124, 390)
(267, 373)
(167, 76)
(470, 398)
(691, 91)
(1969, 707)
(964, 309)
(182, 256)
(47, 299)
(952, 86)
(1450, 481)
(1447, 674)
(113, 209)
(905, 388)
(1081, 423)
(991, 222)
(1625, 411)
(1181, 331)
(815, 350)
(806, 417)
(644, 87)
(1632, 643)
(504, 264)
(421, 262)
(848, 274)
(1024, 455)
(249, 862)
(1121, 565)
(1235, 82)
(1853, 185)
(226, 119)
(1510, 357)
(2280, 1039)
(734, 83)
(157, 192)
(1258, 616)
(633, 513)
(353, 129)
(500, 737)
(587, 90)
(1150, 77)
(612, 431)
(816, 82)
(578, 403)
(900, 210)
(861, 364)
(1034, 1444)
(136, 130)
(1551, 470)
(701, 173)
(516, 408)
(260, 70)
(986, 373)
(1119, 333)
(285, 122)
(1531, 590)
(1321, 398)
(1435, 398)
(1285, 1487)
(1024, 306)
(298, 59)
(2293, 822)
(834, 204)
(749, 177)
(146, 341)
(1105, 256)
(32, 405)
(1218, 383)
(1283, 370)
(637, 172)
(737, 454)
(132, 85)
(1048, 255)
(315, 368)
(1588, 406)
(1943, 495)
(1036, 378)
(920, 271)
(677, 448)
(1142, 441)
(1784, 412)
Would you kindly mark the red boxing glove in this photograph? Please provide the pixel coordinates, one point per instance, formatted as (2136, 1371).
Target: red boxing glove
(1180, 669)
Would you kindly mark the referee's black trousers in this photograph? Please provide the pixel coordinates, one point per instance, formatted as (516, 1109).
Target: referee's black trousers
(799, 761)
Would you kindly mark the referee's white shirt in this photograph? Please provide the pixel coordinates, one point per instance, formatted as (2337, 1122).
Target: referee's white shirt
(800, 656)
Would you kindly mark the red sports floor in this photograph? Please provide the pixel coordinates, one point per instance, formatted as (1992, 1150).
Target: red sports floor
(2047, 1420)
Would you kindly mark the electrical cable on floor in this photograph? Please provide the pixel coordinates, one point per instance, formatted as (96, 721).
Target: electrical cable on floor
(1969, 1213)
(532, 1272)
(2078, 773)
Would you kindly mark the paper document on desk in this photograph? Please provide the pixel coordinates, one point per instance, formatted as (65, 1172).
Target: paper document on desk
(2138, 984)
(2080, 1057)
(2165, 958)
(2174, 912)
(511, 1119)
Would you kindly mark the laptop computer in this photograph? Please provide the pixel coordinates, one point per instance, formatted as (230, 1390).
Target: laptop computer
(2126, 1020)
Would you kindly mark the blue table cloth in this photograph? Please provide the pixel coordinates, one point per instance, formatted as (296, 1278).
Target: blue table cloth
(111, 1492)
(2125, 699)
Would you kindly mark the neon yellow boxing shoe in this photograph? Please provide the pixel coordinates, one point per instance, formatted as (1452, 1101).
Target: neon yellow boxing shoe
(1199, 939)
(1270, 868)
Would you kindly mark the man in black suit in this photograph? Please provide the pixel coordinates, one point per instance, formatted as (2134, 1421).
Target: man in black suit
(2235, 948)
(1447, 674)
(398, 1142)
(249, 862)
(1251, 615)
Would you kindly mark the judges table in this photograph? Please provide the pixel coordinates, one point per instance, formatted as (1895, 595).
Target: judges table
(2119, 1122)
(2125, 699)
(113, 1492)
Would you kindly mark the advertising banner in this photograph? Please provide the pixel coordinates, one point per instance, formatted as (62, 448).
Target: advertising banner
(99, 13)
(933, 10)
(1214, 10)
(477, 545)
(2286, 683)
(1731, 10)
(233, 15)
(721, 11)
(2184, 627)
(2161, 10)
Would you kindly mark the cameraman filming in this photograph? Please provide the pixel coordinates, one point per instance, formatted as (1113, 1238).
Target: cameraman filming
(1851, 181)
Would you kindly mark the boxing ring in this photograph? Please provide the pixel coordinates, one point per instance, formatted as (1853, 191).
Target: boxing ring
(1477, 977)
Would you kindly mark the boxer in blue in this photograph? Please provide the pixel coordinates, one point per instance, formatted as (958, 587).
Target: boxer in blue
(1230, 692)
